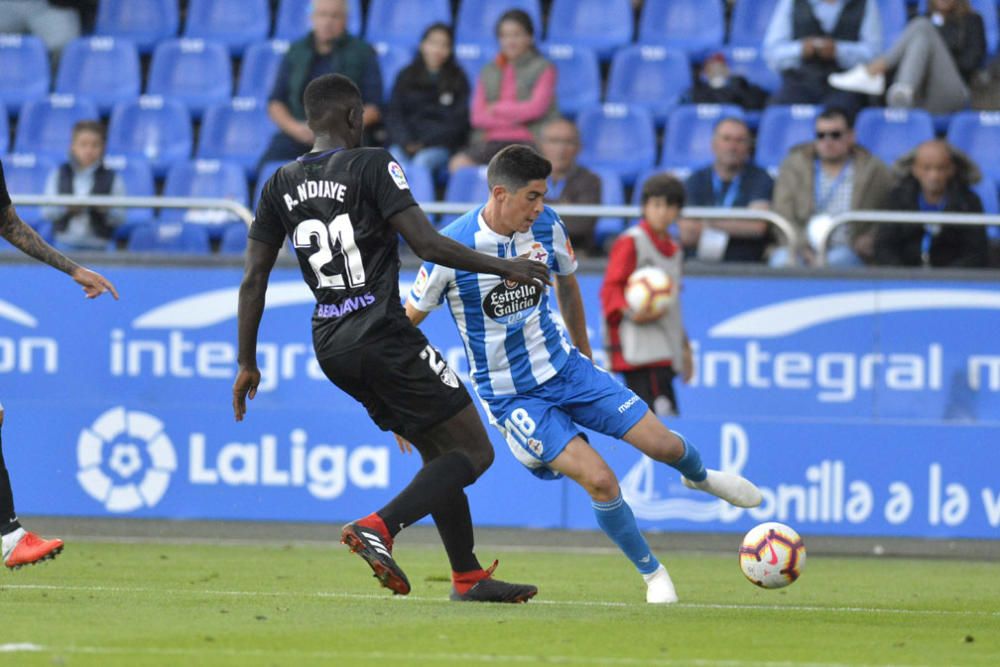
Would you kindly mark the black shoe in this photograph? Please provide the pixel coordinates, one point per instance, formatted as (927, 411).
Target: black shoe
(371, 546)
(489, 589)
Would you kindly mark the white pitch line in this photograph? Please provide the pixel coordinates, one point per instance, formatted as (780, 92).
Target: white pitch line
(465, 658)
(535, 601)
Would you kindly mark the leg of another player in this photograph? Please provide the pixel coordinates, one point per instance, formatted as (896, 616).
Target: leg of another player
(18, 547)
(581, 463)
(655, 440)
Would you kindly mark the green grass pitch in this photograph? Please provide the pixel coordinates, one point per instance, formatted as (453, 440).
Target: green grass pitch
(142, 603)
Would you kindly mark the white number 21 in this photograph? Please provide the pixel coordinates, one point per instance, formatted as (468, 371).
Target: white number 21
(339, 232)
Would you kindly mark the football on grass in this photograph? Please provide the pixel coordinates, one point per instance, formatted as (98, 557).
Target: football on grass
(772, 555)
(650, 291)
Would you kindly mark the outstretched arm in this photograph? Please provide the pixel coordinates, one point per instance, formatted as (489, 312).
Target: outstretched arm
(438, 249)
(260, 260)
(571, 307)
(27, 240)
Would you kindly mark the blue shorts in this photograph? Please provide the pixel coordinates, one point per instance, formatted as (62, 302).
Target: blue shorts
(538, 425)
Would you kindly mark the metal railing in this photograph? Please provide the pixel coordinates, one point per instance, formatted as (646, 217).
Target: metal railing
(108, 201)
(906, 217)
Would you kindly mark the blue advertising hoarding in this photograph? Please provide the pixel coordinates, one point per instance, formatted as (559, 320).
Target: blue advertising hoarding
(862, 407)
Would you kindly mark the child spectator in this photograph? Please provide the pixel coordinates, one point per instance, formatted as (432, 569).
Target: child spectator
(649, 350)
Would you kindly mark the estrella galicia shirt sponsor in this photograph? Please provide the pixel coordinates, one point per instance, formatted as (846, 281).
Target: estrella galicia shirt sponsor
(333, 206)
(512, 340)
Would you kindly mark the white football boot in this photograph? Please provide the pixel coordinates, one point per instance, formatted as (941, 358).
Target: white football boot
(735, 490)
(659, 587)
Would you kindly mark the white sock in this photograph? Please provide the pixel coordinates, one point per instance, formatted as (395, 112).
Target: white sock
(10, 541)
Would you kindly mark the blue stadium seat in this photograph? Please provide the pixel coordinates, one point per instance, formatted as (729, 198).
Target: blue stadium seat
(749, 22)
(578, 85)
(888, 133)
(153, 129)
(24, 70)
(105, 69)
(266, 171)
(259, 69)
(782, 127)
(894, 18)
(601, 25)
(137, 176)
(748, 62)
(234, 239)
(476, 19)
(238, 131)
(292, 20)
(172, 238)
(192, 71)
(391, 59)
(234, 23)
(26, 175)
(45, 126)
(472, 57)
(977, 133)
(468, 186)
(213, 179)
(4, 130)
(695, 26)
(986, 188)
(402, 22)
(421, 182)
(612, 194)
(688, 140)
(145, 22)
(650, 76)
(617, 137)
(988, 10)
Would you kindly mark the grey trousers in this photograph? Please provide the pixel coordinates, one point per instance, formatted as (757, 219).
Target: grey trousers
(922, 61)
(56, 26)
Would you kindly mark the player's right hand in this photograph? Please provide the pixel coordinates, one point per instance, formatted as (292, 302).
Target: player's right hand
(247, 380)
(404, 444)
(526, 271)
(94, 284)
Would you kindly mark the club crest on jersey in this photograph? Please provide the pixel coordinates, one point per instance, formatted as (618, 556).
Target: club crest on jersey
(511, 303)
(398, 177)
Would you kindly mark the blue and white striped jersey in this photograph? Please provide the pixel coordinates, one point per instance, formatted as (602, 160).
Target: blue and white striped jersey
(511, 338)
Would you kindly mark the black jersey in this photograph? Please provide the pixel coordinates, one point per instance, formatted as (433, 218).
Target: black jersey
(4, 195)
(334, 206)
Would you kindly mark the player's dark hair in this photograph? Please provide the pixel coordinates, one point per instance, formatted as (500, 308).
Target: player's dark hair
(327, 92)
(90, 126)
(835, 112)
(515, 166)
(518, 16)
(663, 185)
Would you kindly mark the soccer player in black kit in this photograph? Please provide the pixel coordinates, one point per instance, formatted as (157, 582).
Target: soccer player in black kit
(19, 547)
(342, 207)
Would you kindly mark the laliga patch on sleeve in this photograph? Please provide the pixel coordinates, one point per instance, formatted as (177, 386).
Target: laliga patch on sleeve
(420, 284)
(398, 177)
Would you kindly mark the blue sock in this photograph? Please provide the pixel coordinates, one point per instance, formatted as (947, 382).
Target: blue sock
(617, 521)
(690, 464)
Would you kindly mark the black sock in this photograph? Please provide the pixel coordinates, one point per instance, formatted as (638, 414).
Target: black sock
(433, 486)
(454, 524)
(8, 518)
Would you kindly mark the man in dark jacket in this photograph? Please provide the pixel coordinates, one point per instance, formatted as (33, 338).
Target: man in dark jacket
(936, 180)
(570, 183)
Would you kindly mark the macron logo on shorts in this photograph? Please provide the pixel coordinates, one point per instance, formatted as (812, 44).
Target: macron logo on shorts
(628, 404)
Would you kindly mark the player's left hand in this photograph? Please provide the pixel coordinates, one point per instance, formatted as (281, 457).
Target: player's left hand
(94, 284)
(247, 380)
(404, 445)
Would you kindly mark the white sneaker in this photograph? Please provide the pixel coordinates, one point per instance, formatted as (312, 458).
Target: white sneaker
(659, 588)
(858, 80)
(735, 490)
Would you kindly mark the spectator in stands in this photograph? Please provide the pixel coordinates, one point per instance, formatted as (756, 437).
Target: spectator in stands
(570, 183)
(328, 49)
(717, 84)
(83, 227)
(933, 61)
(826, 177)
(650, 349)
(55, 22)
(514, 95)
(935, 179)
(808, 40)
(428, 114)
(731, 181)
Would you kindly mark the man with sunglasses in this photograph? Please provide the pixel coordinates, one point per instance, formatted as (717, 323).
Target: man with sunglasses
(825, 177)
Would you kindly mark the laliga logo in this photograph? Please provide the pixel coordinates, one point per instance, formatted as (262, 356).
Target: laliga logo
(114, 452)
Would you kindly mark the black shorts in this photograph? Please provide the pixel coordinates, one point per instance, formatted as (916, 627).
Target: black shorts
(655, 385)
(402, 380)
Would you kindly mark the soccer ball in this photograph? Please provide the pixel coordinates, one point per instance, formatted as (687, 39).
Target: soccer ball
(650, 291)
(772, 555)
